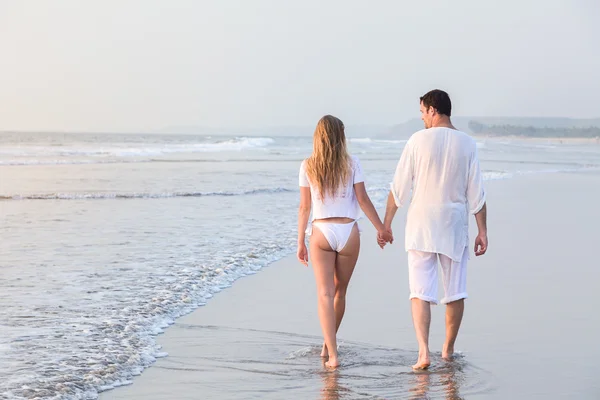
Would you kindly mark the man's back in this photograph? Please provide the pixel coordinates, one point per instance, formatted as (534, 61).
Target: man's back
(442, 159)
(440, 165)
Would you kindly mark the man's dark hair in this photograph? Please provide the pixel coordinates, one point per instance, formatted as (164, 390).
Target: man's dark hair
(439, 100)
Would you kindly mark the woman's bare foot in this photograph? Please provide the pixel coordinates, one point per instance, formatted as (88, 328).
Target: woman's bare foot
(324, 352)
(423, 361)
(332, 362)
(448, 352)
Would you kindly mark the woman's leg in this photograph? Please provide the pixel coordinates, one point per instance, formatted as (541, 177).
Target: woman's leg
(324, 260)
(344, 267)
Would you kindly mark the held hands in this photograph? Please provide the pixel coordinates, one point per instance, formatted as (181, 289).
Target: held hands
(302, 254)
(481, 244)
(384, 237)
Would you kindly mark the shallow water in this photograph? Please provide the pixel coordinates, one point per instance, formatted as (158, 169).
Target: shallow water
(272, 363)
(107, 239)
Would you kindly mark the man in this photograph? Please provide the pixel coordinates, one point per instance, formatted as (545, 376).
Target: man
(440, 165)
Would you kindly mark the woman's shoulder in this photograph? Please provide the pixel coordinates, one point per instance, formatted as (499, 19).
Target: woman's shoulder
(354, 160)
(304, 165)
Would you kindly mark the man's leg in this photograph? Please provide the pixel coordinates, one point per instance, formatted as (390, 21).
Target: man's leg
(455, 286)
(421, 312)
(454, 314)
(422, 276)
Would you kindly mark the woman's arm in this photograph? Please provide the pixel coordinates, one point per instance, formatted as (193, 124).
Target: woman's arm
(303, 214)
(367, 206)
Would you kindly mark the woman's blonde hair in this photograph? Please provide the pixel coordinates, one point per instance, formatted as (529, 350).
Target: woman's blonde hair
(328, 167)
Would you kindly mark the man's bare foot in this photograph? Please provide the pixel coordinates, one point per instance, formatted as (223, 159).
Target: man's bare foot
(324, 352)
(423, 361)
(332, 362)
(448, 352)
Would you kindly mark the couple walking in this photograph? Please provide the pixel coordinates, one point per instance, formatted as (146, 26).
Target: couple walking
(439, 166)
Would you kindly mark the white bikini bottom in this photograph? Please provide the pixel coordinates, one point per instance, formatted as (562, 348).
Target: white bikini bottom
(337, 234)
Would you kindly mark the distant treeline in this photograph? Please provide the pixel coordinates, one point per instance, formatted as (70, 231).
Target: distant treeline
(534, 131)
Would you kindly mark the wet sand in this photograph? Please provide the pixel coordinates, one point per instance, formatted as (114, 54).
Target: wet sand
(530, 327)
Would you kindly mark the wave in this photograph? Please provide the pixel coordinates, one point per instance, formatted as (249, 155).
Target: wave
(106, 196)
(123, 150)
(375, 141)
(95, 346)
(139, 160)
(29, 162)
(496, 175)
(377, 190)
(16, 162)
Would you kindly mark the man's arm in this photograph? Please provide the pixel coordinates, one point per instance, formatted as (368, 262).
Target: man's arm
(401, 185)
(481, 242)
(390, 211)
(481, 218)
(476, 199)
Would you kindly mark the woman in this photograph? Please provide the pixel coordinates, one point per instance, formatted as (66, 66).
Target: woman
(332, 182)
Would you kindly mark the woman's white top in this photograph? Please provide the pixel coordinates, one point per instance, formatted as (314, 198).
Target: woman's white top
(343, 203)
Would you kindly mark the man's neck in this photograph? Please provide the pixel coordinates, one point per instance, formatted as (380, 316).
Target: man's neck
(442, 121)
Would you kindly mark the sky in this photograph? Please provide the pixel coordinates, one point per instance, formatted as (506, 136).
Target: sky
(147, 65)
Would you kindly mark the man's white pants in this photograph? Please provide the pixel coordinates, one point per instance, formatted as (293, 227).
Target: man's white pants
(423, 276)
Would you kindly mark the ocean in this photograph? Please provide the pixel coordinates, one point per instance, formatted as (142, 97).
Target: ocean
(108, 238)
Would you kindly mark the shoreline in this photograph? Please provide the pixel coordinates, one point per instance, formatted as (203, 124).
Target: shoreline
(261, 337)
(556, 140)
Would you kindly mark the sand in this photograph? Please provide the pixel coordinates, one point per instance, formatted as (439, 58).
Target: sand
(530, 327)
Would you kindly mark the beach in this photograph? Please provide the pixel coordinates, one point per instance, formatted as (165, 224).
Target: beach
(152, 159)
(141, 266)
(529, 328)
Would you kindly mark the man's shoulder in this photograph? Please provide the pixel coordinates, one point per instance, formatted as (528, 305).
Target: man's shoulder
(466, 139)
(419, 133)
(430, 133)
(462, 134)
(416, 137)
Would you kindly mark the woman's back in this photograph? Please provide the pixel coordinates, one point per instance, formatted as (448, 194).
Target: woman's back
(332, 187)
(341, 203)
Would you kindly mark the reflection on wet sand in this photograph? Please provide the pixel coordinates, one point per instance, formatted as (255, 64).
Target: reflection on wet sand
(451, 381)
(420, 385)
(447, 388)
(331, 386)
(269, 364)
(442, 382)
